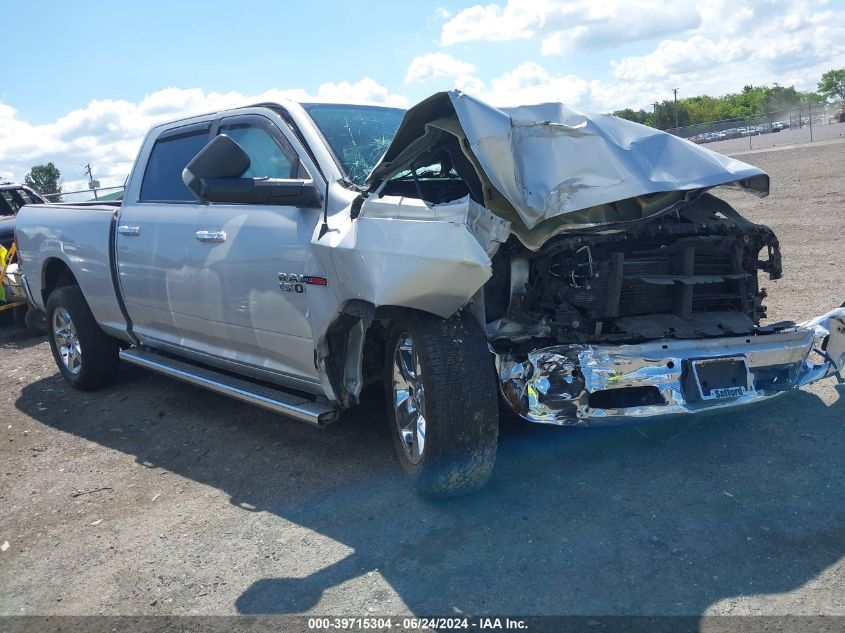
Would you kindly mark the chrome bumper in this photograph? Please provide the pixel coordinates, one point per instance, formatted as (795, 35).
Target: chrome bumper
(595, 384)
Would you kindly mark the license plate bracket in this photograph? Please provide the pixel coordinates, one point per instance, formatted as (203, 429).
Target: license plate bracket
(721, 378)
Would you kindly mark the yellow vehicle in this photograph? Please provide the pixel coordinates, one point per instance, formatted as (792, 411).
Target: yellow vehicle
(13, 294)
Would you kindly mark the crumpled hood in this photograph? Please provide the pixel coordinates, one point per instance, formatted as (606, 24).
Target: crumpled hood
(550, 161)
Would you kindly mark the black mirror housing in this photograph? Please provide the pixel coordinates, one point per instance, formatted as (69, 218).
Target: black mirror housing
(220, 158)
(213, 175)
(295, 193)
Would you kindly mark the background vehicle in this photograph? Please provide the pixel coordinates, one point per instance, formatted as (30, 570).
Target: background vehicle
(290, 254)
(12, 197)
(12, 300)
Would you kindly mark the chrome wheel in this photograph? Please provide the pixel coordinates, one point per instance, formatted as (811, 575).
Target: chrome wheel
(409, 398)
(67, 341)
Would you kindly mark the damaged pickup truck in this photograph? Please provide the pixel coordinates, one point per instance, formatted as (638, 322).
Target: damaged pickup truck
(575, 266)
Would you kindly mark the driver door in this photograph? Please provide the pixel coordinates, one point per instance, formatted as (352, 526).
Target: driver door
(239, 251)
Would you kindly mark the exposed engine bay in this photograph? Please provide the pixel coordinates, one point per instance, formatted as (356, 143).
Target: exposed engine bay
(689, 274)
(618, 285)
(675, 262)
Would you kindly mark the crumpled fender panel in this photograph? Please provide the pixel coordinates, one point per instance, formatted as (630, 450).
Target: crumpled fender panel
(432, 266)
(398, 253)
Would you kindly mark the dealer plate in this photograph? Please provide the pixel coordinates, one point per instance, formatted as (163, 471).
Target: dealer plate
(720, 378)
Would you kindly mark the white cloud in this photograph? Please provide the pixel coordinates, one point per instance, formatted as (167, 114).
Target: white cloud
(531, 83)
(434, 65)
(674, 57)
(711, 47)
(490, 22)
(365, 90)
(571, 25)
(736, 42)
(443, 72)
(791, 46)
(107, 133)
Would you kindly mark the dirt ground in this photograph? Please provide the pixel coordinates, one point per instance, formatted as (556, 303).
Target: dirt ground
(154, 497)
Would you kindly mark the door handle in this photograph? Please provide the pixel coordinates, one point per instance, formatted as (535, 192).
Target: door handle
(210, 236)
(131, 231)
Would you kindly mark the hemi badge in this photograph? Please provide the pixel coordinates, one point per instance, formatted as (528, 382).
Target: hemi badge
(315, 281)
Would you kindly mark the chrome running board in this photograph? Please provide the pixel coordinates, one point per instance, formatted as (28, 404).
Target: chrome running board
(271, 398)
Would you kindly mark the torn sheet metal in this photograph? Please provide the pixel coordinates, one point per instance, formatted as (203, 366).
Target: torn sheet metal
(402, 252)
(489, 230)
(572, 385)
(550, 161)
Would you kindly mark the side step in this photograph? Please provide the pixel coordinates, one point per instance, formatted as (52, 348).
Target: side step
(270, 398)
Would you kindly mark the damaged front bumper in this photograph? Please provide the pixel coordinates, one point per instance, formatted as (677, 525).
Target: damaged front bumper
(594, 384)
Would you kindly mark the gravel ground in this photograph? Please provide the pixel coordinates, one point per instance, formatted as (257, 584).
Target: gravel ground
(153, 497)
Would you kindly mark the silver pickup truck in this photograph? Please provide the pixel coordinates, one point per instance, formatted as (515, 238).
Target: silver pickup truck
(576, 267)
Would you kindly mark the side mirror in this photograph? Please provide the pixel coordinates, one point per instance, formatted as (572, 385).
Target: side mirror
(213, 175)
(220, 158)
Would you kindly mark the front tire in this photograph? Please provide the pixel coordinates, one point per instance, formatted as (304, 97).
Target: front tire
(85, 355)
(441, 403)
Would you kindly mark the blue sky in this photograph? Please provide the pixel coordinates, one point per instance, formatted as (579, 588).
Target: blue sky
(97, 51)
(83, 81)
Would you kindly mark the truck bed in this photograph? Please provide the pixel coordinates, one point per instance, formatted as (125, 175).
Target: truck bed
(79, 236)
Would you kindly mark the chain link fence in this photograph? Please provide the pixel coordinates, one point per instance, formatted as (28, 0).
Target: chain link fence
(103, 194)
(804, 123)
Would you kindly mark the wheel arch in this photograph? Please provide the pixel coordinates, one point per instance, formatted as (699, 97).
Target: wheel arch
(54, 274)
(353, 349)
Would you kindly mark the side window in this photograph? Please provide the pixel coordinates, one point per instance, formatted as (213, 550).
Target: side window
(269, 153)
(163, 176)
(7, 204)
(11, 200)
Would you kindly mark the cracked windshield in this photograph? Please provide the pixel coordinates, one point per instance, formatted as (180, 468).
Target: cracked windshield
(358, 135)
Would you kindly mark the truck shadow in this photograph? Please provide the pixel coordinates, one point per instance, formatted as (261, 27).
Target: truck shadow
(662, 518)
(14, 337)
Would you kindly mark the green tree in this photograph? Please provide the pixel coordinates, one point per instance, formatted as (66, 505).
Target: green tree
(663, 116)
(779, 97)
(45, 179)
(832, 85)
(702, 109)
(637, 116)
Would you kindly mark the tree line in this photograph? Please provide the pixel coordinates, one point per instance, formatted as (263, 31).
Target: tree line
(752, 101)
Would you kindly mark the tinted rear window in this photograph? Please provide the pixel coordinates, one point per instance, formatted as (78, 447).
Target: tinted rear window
(163, 177)
(12, 199)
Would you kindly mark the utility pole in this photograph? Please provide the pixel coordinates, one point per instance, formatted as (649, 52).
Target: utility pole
(675, 90)
(810, 113)
(654, 112)
(92, 184)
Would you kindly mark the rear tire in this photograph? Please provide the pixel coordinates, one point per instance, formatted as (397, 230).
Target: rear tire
(441, 403)
(85, 355)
